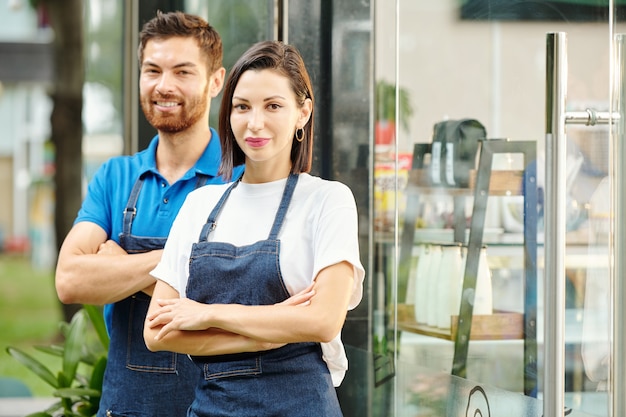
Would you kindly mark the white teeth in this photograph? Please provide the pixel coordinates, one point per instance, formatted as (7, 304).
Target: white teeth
(166, 103)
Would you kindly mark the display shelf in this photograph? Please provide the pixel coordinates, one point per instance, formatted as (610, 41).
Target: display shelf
(503, 183)
(483, 182)
(496, 326)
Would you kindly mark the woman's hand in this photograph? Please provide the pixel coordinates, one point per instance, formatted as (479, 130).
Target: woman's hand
(178, 314)
(303, 298)
(185, 314)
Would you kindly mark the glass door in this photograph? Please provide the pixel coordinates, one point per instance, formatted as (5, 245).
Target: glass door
(494, 216)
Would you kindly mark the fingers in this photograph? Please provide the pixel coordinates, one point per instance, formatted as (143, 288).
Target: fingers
(303, 298)
(162, 302)
(163, 332)
(160, 318)
(159, 312)
(110, 247)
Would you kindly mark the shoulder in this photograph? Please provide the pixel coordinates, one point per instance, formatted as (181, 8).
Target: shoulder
(319, 187)
(208, 192)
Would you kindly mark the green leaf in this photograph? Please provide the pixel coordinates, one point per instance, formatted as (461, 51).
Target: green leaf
(51, 410)
(76, 392)
(34, 365)
(39, 414)
(63, 381)
(55, 350)
(88, 357)
(87, 409)
(74, 344)
(97, 374)
(97, 319)
(64, 328)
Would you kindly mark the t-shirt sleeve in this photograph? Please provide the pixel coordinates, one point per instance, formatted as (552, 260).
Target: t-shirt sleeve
(173, 268)
(96, 206)
(337, 237)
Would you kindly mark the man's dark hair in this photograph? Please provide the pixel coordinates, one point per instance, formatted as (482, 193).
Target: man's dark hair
(179, 24)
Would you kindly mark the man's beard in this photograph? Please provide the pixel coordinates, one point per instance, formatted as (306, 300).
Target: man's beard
(193, 109)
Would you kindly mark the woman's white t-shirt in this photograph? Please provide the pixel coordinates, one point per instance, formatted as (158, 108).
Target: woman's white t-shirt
(320, 229)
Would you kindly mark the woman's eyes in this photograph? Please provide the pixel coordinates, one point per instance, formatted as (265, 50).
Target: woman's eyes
(271, 106)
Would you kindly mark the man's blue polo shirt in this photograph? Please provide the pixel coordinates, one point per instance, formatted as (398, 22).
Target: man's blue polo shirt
(159, 201)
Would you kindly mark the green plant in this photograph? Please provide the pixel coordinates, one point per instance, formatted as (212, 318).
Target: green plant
(78, 392)
(386, 103)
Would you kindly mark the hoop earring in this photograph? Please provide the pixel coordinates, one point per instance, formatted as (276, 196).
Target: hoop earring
(300, 134)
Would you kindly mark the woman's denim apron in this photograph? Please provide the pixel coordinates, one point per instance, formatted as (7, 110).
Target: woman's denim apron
(139, 382)
(290, 381)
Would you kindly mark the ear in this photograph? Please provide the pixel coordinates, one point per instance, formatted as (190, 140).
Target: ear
(305, 113)
(216, 82)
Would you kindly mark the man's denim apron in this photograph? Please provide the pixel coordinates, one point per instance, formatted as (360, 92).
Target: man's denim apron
(290, 381)
(139, 382)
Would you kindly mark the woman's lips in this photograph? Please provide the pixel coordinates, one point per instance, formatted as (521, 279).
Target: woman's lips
(256, 142)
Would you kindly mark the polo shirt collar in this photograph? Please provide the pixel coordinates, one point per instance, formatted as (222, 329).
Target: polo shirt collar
(208, 164)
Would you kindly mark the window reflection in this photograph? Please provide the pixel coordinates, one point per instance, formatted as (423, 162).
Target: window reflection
(482, 60)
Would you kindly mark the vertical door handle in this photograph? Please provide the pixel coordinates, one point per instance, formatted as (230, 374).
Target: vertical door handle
(554, 243)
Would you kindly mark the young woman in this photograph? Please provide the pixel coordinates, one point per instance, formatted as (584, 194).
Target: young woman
(257, 275)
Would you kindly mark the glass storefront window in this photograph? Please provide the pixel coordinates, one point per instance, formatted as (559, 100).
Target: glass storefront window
(485, 63)
(103, 88)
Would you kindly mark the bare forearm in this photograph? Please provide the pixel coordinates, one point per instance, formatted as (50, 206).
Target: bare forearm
(282, 324)
(318, 320)
(204, 342)
(102, 279)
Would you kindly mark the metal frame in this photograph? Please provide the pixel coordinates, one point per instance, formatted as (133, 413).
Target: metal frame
(475, 243)
(481, 193)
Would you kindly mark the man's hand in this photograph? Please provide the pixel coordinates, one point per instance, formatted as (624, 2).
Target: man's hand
(110, 247)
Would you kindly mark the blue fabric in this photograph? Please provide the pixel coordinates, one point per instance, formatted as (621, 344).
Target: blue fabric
(136, 206)
(158, 203)
(290, 381)
(112, 183)
(131, 367)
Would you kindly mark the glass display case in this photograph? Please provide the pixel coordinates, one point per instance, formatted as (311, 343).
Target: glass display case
(537, 199)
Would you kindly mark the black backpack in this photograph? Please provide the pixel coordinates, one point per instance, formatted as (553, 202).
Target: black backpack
(453, 152)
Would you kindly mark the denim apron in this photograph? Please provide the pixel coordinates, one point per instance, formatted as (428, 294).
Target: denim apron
(289, 381)
(139, 382)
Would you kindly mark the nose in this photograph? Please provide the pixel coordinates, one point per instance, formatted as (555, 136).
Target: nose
(164, 86)
(255, 121)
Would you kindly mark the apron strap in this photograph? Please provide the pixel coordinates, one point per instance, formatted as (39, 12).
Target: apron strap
(211, 223)
(131, 206)
(284, 205)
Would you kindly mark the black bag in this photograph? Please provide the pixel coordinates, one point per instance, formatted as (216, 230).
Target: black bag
(453, 153)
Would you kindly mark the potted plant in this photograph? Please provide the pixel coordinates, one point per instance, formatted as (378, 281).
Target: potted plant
(78, 384)
(386, 111)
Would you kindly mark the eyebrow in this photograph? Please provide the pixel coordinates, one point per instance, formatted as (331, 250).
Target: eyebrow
(180, 65)
(265, 99)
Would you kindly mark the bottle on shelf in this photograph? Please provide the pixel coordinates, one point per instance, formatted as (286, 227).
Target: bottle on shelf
(431, 286)
(483, 298)
(449, 284)
(425, 252)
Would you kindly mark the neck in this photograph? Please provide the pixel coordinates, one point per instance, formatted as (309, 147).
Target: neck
(260, 173)
(178, 152)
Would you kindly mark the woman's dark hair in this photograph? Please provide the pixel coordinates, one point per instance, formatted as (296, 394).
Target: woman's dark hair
(179, 24)
(285, 60)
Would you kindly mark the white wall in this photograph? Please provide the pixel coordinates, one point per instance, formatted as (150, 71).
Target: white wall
(492, 71)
